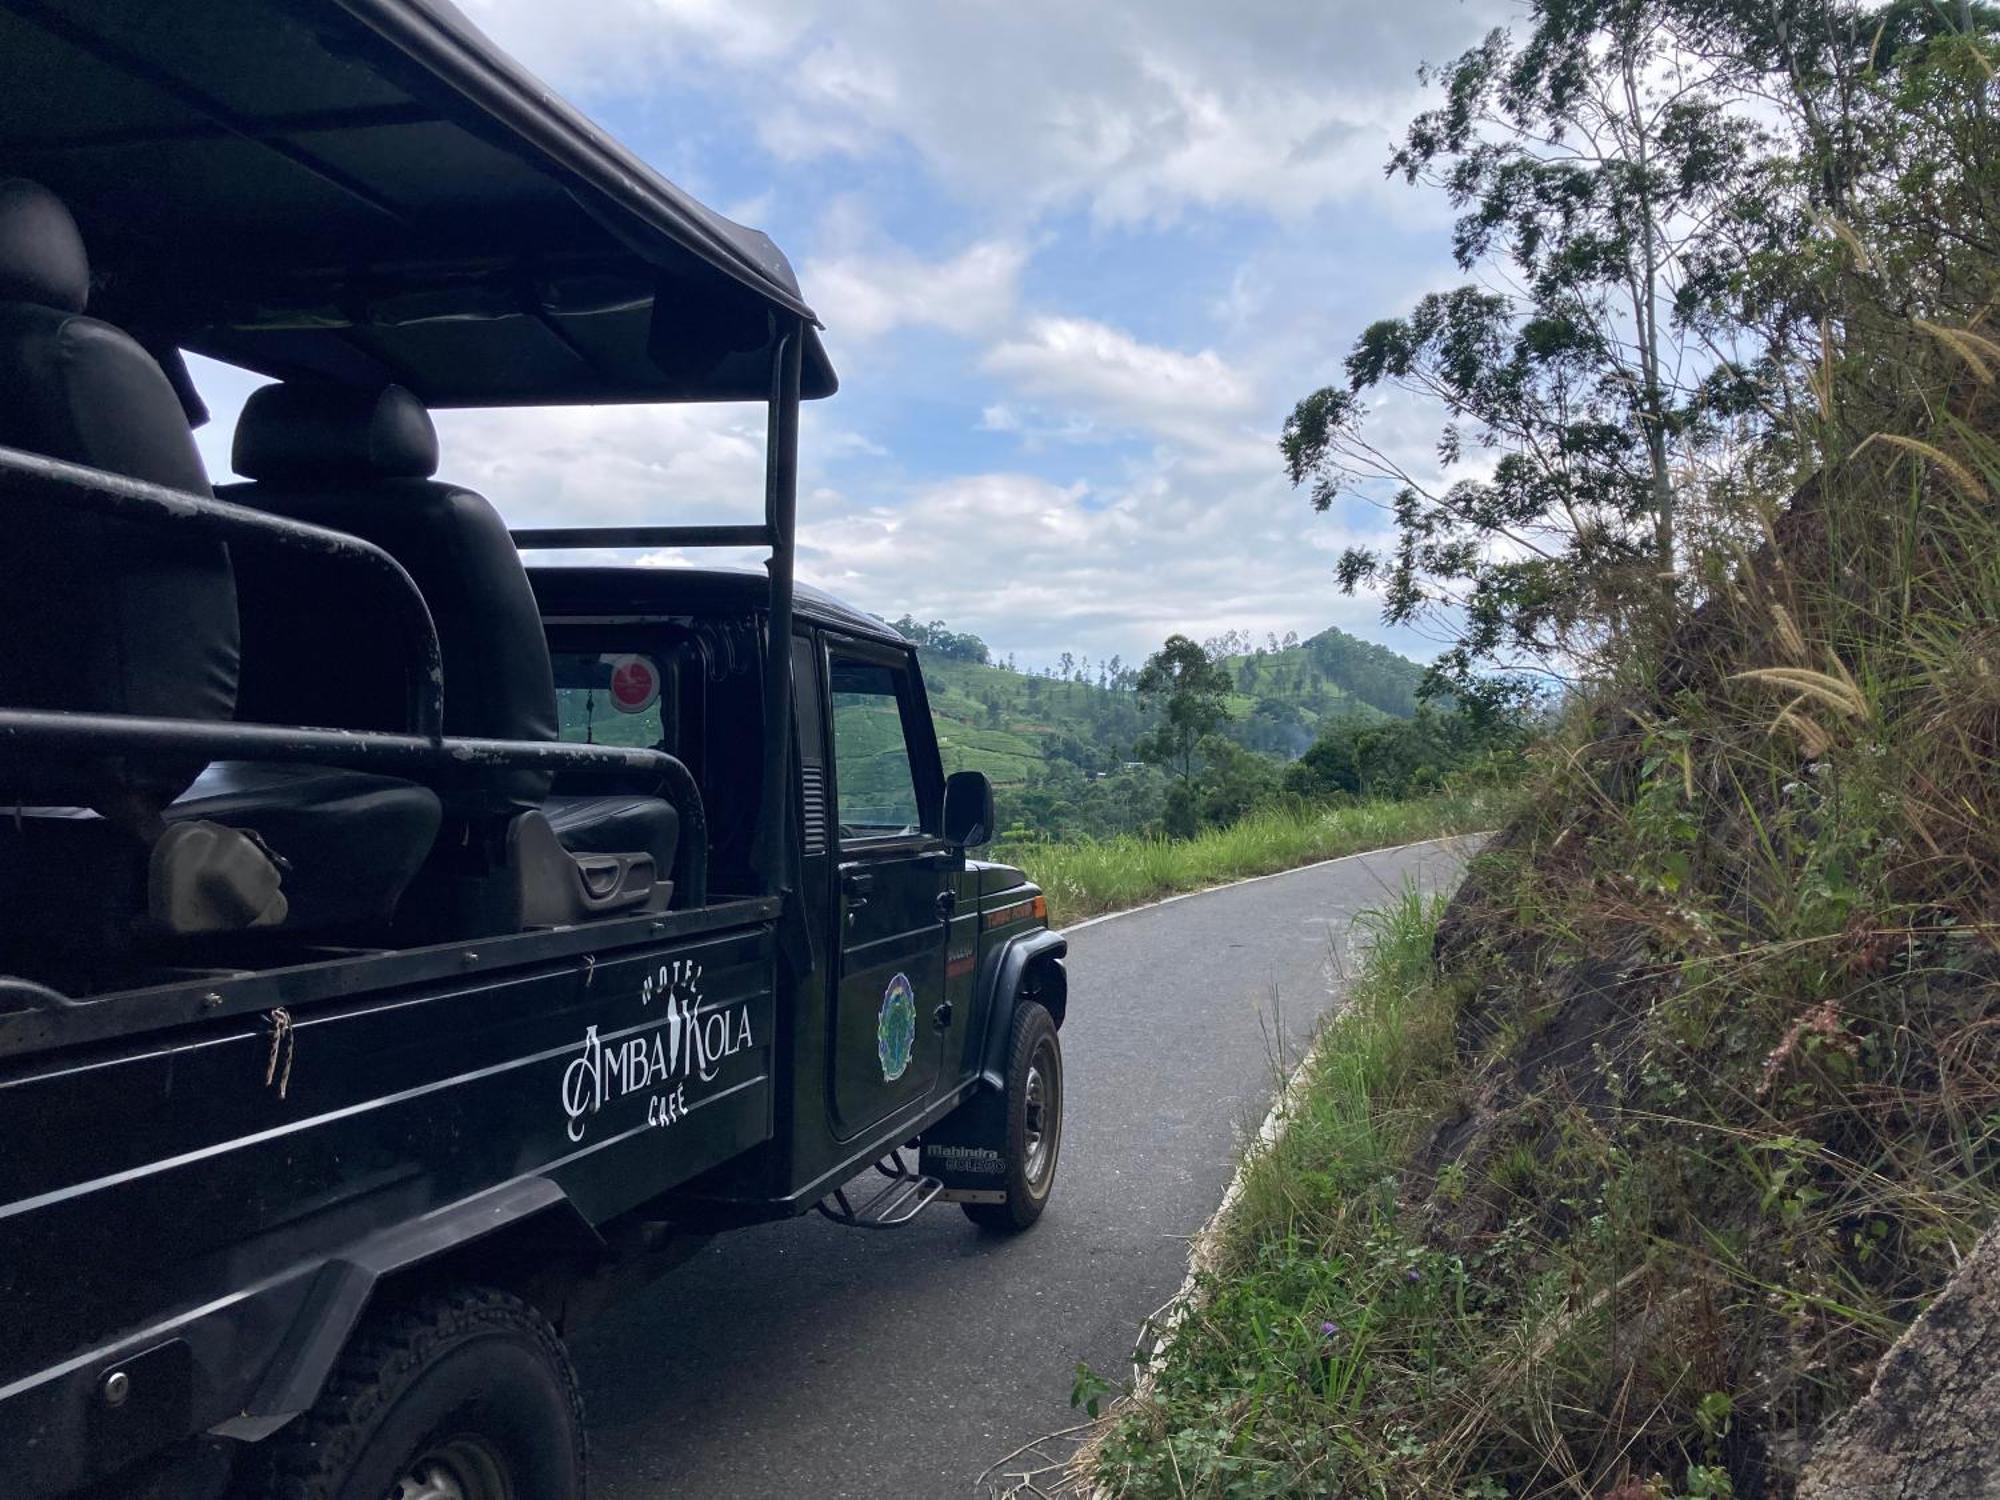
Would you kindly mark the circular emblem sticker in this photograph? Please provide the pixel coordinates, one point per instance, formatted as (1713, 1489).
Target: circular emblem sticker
(896, 1028)
(635, 684)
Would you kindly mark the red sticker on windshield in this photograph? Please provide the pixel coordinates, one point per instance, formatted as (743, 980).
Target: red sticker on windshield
(635, 684)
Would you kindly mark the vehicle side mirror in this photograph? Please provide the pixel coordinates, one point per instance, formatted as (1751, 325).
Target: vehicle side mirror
(968, 809)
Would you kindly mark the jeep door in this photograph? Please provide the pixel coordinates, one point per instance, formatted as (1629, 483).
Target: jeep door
(893, 886)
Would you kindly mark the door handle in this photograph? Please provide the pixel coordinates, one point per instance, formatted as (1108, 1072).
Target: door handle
(947, 903)
(854, 888)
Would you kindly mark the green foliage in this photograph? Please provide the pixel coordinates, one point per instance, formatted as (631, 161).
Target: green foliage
(1234, 781)
(1331, 673)
(1189, 693)
(951, 644)
(1059, 749)
(1631, 353)
(1088, 876)
(1089, 1389)
(1408, 757)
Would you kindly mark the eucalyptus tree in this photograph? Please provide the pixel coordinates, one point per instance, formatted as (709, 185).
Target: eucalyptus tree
(1612, 194)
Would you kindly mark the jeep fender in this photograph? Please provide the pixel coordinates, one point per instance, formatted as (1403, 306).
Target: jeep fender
(1023, 962)
(529, 1209)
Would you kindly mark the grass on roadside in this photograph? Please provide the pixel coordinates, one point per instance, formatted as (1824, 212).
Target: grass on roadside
(1083, 879)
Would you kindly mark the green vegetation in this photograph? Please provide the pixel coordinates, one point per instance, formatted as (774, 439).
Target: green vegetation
(1099, 875)
(1061, 746)
(1069, 776)
(1187, 693)
(1317, 1297)
(1287, 690)
(1619, 1180)
(1410, 757)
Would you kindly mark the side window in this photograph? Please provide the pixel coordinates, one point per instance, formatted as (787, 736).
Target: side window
(613, 698)
(877, 790)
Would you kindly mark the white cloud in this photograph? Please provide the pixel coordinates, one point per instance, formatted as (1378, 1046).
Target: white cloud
(1139, 109)
(610, 465)
(1140, 385)
(866, 295)
(1039, 567)
(1089, 378)
(624, 44)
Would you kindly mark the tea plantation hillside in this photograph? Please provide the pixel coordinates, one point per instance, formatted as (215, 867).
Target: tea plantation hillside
(1014, 724)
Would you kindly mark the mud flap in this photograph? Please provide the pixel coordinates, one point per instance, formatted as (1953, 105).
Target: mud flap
(967, 1150)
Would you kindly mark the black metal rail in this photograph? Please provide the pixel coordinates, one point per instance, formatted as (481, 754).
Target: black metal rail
(45, 731)
(425, 751)
(546, 538)
(32, 476)
(772, 856)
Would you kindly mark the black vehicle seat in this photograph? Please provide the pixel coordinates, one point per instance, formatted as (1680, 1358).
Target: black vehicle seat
(362, 461)
(134, 617)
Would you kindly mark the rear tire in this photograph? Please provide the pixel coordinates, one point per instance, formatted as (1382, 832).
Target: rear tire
(463, 1396)
(1034, 1123)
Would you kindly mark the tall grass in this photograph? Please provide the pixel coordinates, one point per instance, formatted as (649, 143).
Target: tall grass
(1099, 875)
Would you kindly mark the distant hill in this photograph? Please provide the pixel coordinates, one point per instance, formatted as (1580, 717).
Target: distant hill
(1012, 725)
(1283, 695)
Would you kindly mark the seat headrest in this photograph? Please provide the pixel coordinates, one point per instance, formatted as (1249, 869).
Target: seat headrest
(41, 253)
(314, 432)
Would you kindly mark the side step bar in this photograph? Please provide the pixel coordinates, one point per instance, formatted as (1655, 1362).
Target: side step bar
(906, 1194)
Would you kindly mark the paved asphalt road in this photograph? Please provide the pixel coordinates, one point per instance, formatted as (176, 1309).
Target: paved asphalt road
(802, 1359)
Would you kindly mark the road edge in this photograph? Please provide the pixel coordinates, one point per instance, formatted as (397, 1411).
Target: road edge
(1203, 1246)
(1205, 1242)
(1228, 885)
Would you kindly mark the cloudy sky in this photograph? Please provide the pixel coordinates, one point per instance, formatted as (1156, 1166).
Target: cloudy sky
(1075, 261)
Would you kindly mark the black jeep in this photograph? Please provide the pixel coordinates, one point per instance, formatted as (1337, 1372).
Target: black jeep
(403, 949)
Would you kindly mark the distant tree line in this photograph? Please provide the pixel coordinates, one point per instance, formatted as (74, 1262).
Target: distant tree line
(1215, 781)
(935, 635)
(1201, 734)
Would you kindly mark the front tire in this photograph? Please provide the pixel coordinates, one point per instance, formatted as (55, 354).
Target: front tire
(1034, 1122)
(464, 1396)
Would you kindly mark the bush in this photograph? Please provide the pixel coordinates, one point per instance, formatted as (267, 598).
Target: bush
(1410, 757)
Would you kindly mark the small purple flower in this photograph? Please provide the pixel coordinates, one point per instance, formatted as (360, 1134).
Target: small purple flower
(1328, 1330)
(1413, 1274)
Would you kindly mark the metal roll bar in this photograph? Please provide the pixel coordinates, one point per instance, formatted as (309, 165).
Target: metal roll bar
(544, 538)
(425, 751)
(80, 487)
(772, 850)
(440, 760)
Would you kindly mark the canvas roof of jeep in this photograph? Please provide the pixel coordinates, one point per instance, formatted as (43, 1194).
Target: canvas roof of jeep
(383, 195)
